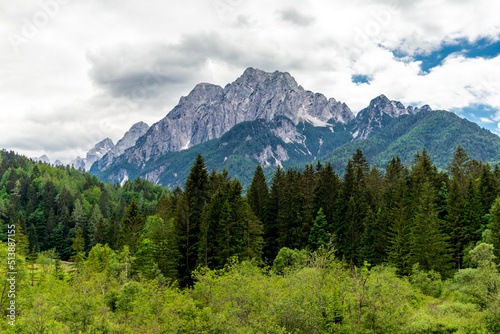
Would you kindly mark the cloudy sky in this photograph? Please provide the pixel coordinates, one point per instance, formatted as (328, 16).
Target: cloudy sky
(75, 72)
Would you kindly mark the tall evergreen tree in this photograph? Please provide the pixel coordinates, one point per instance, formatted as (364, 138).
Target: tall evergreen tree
(291, 221)
(459, 169)
(100, 233)
(271, 228)
(78, 248)
(188, 217)
(258, 194)
(429, 245)
(133, 222)
(326, 194)
(320, 234)
(400, 227)
(455, 226)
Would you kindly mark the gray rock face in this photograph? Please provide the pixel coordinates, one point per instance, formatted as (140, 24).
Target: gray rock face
(209, 111)
(98, 151)
(372, 117)
(128, 140)
(78, 163)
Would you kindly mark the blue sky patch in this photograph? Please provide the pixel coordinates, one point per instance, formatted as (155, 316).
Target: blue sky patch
(360, 79)
(480, 114)
(482, 48)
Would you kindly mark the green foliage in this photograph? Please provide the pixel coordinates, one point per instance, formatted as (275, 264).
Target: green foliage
(428, 283)
(133, 243)
(289, 259)
(319, 235)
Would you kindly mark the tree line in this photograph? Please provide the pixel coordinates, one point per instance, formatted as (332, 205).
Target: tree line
(404, 216)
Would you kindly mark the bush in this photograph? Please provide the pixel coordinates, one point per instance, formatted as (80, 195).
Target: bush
(429, 283)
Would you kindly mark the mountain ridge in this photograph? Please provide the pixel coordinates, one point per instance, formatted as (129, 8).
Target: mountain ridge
(300, 127)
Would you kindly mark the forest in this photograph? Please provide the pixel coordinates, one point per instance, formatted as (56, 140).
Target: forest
(404, 249)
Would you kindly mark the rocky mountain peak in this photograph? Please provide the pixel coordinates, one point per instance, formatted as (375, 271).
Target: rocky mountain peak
(372, 117)
(128, 140)
(209, 111)
(138, 127)
(382, 105)
(98, 151)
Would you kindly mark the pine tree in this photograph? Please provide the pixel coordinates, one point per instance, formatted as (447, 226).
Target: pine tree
(253, 235)
(114, 231)
(89, 229)
(399, 231)
(494, 226)
(326, 194)
(459, 169)
(258, 194)
(290, 216)
(78, 216)
(133, 222)
(100, 233)
(455, 222)
(473, 213)
(78, 248)
(320, 234)
(31, 261)
(164, 207)
(164, 250)
(188, 217)
(429, 246)
(22, 242)
(487, 188)
(271, 228)
(354, 207)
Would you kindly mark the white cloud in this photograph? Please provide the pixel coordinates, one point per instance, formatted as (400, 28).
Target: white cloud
(72, 82)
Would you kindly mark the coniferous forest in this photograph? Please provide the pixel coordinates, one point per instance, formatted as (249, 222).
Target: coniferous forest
(403, 249)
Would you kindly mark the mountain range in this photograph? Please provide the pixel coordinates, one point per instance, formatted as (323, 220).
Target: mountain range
(268, 119)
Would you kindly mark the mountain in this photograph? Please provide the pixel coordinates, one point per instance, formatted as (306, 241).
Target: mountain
(209, 111)
(128, 140)
(440, 132)
(96, 153)
(105, 151)
(44, 158)
(379, 113)
(268, 119)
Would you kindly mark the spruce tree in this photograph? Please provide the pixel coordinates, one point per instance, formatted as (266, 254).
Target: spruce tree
(114, 231)
(271, 228)
(78, 248)
(133, 222)
(455, 226)
(320, 234)
(459, 169)
(429, 245)
(188, 217)
(258, 194)
(494, 226)
(399, 230)
(22, 243)
(100, 232)
(291, 224)
(473, 214)
(326, 194)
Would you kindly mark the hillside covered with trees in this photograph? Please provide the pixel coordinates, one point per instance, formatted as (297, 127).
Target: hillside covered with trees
(411, 250)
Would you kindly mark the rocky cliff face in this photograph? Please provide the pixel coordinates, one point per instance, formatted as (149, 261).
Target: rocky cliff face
(380, 110)
(96, 153)
(128, 140)
(209, 111)
(261, 117)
